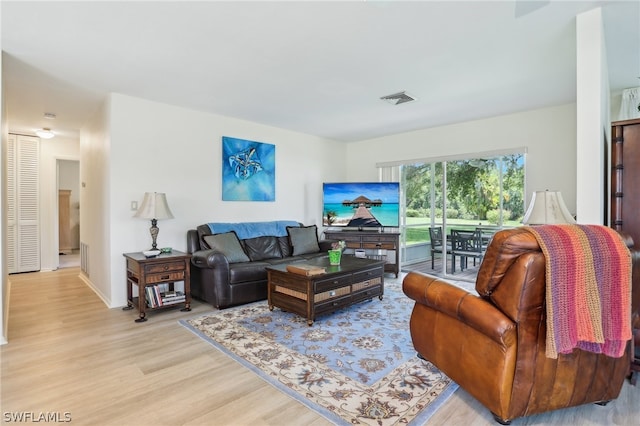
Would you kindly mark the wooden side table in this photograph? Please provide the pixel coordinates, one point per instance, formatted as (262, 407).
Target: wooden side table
(146, 272)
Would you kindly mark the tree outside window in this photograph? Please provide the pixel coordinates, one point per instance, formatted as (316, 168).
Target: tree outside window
(479, 192)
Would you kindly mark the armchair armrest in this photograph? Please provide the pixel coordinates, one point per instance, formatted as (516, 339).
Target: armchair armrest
(455, 302)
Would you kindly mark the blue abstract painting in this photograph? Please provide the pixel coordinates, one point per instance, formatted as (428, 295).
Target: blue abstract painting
(248, 170)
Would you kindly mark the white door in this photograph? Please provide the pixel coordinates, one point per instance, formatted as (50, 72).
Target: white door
(23, 225)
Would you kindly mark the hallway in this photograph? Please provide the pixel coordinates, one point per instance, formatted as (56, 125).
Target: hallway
(69, 260)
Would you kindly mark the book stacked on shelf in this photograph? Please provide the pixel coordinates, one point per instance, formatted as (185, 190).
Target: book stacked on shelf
(172, 297)
(304, 269)
(159, 295)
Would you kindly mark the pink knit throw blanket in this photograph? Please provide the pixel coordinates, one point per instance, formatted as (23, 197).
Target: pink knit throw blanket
(588, 293)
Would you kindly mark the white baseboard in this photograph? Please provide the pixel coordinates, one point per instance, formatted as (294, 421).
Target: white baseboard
(88, 282)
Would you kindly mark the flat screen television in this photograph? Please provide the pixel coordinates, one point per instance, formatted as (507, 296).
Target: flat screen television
(361, 204)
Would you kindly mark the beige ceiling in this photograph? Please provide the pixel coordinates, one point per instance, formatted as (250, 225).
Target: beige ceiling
(313, 67)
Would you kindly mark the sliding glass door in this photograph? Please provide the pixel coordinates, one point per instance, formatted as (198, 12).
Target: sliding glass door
(476, 193)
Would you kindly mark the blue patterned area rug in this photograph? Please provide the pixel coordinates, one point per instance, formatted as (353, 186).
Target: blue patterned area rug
(356, 366)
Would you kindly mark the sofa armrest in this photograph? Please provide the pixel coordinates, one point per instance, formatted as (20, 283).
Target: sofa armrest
(209, 259)
(210, 277)
(193, 242)
(325, 245)
(457, 303)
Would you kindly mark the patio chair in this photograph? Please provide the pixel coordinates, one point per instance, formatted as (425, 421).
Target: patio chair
(435, 233)
(487, 234)
(466, 244)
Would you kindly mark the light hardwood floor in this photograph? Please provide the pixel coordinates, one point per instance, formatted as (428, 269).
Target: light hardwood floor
(68, 353)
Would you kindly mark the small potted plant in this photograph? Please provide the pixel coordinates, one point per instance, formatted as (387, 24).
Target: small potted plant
(336, 252)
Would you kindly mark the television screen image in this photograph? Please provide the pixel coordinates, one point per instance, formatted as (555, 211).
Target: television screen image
(361, 204)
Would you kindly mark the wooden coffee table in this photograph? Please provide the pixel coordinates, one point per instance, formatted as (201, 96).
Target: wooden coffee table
(354, 280)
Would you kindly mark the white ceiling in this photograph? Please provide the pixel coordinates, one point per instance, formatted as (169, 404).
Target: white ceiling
(313, 67)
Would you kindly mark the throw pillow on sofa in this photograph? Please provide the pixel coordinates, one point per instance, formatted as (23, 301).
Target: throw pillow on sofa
(262, 248)
(304, 239)
(228, 244)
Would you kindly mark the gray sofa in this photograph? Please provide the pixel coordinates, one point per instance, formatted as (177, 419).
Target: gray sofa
(229, 259)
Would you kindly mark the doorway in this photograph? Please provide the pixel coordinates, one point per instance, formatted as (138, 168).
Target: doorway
(68, 175)
(464, 200)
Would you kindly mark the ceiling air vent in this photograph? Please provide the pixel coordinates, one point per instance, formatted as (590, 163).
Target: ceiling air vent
(398, 98)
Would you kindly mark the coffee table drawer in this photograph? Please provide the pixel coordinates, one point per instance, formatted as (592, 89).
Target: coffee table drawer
(366, 284)
(368, 293)
(367, 275)
(333, 304)
(332, 283)
(332, 294)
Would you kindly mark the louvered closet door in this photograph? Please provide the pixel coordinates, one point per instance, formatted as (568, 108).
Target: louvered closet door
(12, 228)
(24, 216)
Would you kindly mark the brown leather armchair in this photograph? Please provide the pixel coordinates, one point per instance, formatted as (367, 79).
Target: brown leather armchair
(493, 345)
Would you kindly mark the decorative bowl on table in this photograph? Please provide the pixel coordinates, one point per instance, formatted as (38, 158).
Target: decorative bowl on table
(151, 253)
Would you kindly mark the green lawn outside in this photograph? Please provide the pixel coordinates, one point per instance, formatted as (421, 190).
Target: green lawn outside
(417, 230)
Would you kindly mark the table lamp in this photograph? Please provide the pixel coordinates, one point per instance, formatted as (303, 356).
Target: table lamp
(154, 206)
(547, 208)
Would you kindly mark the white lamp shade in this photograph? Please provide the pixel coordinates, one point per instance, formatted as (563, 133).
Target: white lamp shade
(154, 206)
(547, 208)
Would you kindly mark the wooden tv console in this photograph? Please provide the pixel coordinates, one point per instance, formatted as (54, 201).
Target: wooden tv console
(376, 245)
(354, 280)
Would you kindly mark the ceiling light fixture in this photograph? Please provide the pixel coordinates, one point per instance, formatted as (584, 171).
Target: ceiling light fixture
(45, 133)
(49, 115)
(398, 98)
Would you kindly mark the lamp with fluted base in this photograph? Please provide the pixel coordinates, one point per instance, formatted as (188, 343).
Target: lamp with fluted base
(154, 206)
(547, 208)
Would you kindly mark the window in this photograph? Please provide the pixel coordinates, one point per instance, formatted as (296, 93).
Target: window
(481, 191)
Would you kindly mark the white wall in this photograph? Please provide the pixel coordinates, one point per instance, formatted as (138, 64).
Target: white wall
(616, 103)
(593, 119)
(593, 123)
(549, 134)
(51, 150)
(94, 202)
(163, 148)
